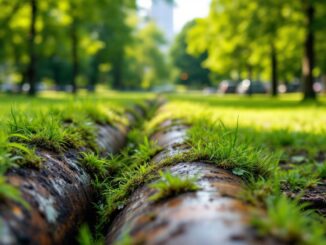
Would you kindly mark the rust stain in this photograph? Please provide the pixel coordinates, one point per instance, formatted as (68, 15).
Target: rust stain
(227, 189)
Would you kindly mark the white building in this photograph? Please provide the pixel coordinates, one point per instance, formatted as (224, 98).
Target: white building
(162, 13)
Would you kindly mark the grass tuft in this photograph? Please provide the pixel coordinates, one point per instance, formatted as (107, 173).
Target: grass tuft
(288, 221)
(216, 143)
(95, 164)
(171, 186)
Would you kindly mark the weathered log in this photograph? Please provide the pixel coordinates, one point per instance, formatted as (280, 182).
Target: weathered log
(211, 215)
(59, 193)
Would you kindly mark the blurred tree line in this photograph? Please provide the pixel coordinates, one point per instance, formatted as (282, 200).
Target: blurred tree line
(189, 69)
(276, 40)
(79, 43)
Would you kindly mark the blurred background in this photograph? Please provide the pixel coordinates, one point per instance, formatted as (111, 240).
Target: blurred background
(217, 46)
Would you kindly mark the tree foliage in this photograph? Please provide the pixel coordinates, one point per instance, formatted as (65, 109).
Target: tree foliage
(189, 67)
(76, 43)
(262, 39)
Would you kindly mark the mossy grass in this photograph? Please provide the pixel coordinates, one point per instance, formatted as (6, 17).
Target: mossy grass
(299, 178)
(290, 221)
(321, 170)
(85, 237)
(214, 142)
(170, 186)
(117, 192)
(95, 164)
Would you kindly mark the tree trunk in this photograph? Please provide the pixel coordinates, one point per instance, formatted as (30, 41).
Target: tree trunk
(274, 71)
(94, 74)
(250, 72)
(31, 70)
(250, 78)
(309, 55)
(74, 53)
(117, 75)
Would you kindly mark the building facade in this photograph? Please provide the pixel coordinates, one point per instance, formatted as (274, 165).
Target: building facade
(162, 14)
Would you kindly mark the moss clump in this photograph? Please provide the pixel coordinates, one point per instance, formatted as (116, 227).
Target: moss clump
(96, 165)
(171, 186)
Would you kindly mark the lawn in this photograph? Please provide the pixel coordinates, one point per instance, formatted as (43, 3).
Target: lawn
(283, 123)
(50, 99)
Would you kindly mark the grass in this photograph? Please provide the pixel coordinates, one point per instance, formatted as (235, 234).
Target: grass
(300, 178)
(288, 221)
(95, 164)
(170, 186)
(215, 143)
(85, 237)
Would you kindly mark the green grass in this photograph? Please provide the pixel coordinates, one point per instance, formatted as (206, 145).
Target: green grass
(170, 186)
(96, 165)
(85, 237)
(215, 143)
(290, 222)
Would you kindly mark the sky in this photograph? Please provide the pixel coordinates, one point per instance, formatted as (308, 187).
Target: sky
(184, 11)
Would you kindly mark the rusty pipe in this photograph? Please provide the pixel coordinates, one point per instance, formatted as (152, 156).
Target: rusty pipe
(211, 215)
(59, 193)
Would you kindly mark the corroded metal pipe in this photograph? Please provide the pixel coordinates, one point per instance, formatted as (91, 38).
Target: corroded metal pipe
(59, 193)
(211, 215)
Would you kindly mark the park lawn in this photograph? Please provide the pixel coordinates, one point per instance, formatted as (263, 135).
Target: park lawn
(47, 100)
(283, 124)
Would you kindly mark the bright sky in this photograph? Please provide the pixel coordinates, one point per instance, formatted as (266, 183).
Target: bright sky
(185, 10)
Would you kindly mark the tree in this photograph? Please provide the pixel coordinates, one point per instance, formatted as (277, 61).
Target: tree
(190, 70)
(309, 50)
(242, 34)
(31, 71)
(145, 63)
